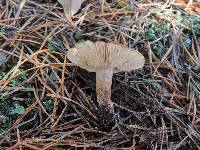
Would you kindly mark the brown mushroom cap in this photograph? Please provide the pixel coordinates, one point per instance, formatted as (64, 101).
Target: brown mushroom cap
(94, 56)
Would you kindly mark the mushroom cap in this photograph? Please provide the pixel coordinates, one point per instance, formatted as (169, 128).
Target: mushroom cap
(93, 56)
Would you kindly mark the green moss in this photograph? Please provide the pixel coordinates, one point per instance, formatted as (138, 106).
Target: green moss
(150, 35)
(48, 105)
(53, 45)
(187, 41)
(158, 50)
(7, 124)
(193, 22)
(153, 33)
(2, 75)
(190, 22)
(18, 80)
(18, 109)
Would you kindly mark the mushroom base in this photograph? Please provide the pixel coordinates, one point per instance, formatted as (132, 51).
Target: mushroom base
(105, 118)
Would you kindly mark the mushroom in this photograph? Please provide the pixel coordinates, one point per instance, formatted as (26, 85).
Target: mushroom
(105, 59)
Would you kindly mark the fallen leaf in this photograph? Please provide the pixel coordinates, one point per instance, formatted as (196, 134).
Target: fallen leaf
(71, 6)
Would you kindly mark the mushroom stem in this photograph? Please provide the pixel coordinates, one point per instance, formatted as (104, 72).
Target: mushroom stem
(103, 87)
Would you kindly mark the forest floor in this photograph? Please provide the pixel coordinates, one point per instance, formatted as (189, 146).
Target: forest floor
(48, 103)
